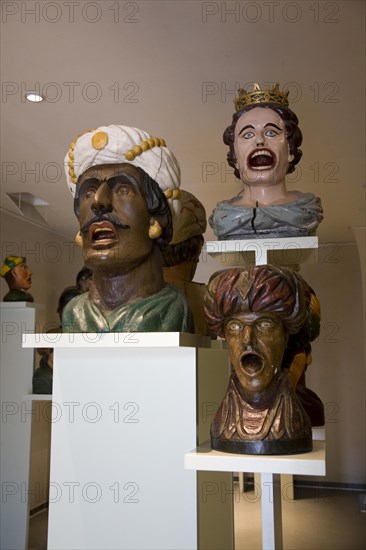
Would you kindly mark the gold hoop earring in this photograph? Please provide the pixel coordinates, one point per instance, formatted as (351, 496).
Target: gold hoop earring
(79, 239)
(155, 230)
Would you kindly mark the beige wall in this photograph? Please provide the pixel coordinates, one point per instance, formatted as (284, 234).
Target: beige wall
(54, 261)
(338, 372)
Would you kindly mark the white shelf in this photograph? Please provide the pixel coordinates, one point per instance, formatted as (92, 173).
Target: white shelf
(318, 433)
(37, 397)
(206, 459)
(276, 251)
(115, 340)
(17, 305)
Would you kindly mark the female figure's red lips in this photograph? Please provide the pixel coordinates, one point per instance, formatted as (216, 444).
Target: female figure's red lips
(261, 159)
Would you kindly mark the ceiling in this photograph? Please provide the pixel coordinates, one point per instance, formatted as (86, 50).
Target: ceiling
(172, 69)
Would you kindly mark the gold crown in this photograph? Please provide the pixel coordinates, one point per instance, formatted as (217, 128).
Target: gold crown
(258, 96)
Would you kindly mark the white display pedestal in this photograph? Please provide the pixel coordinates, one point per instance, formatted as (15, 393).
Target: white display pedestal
(39, 476)
(287, 251)
(16, 366)
(287, 481)
(125, 411)
(312, 463)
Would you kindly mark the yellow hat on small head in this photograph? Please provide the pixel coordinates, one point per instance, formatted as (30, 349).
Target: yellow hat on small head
(10, 262)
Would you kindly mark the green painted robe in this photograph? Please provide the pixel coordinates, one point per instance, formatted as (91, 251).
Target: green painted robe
(18, 295)
(165, 311)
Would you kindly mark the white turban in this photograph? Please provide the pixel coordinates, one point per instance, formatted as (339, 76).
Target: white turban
(119, 144)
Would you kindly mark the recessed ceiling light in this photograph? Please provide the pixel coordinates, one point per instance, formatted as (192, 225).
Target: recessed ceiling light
(34, 97)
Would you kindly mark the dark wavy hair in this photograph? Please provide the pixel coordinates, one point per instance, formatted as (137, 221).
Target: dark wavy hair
(293, 133)
(310, 330)
(66, 295)
(185, 251)
(156, 202)
(84, 273)
(271, 289)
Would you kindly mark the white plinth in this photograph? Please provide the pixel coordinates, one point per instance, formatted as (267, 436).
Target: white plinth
(205, 458)
(269, 466)
(16, 419)
(318, 433)
(37, 397)
(92, 340)
(125, 411)
(289, 251)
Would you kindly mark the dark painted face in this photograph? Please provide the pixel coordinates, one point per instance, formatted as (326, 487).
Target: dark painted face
(114, 218)
(22, 277)
(257, 342)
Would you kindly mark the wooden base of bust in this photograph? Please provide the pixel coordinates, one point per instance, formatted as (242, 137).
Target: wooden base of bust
(263, 447)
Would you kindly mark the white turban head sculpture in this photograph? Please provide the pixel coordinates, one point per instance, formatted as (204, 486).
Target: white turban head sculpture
(116, 144)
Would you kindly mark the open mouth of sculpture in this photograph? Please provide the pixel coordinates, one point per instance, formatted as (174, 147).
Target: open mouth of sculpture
(251, 363)
(262, 159)
(102, 233)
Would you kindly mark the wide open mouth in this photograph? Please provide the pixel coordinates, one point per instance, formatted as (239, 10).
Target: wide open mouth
(102, 233)
(251, 363)
(262, 159)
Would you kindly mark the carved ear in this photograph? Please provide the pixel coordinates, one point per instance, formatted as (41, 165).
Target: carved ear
(290, 156)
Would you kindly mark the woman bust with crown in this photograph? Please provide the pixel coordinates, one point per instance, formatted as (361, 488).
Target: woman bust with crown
(264, 140)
